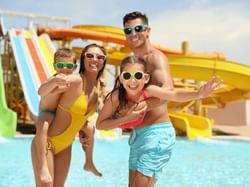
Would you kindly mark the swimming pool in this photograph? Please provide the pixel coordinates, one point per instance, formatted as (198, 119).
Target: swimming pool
(200, 163)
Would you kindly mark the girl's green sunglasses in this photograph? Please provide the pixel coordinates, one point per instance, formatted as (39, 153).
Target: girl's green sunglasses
(61, 65)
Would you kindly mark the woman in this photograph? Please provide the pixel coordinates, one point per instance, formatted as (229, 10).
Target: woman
(76, 104)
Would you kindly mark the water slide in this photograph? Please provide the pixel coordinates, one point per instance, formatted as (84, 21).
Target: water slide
(197, 67)
(194, 126)
(34, 60)
(28, 62)
(235, 76)
(8, 119)
(48, 50)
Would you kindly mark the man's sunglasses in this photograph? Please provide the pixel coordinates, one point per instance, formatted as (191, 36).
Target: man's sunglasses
(61, 65)
(137, 29)
(137, 75)
(92, 55)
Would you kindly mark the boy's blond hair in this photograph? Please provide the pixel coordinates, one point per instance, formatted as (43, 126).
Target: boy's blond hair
(63, 53)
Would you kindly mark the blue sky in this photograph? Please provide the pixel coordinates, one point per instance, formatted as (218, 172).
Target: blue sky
(208, 25)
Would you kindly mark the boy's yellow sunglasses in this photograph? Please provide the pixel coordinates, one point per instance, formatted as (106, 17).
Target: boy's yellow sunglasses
(61, 65)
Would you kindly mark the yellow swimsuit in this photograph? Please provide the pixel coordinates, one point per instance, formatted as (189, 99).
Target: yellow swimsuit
(78, 117)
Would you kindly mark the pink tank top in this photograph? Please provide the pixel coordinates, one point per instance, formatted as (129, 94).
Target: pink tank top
(137, 121)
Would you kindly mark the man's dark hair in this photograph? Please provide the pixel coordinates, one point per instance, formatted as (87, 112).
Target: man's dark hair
(135, 15)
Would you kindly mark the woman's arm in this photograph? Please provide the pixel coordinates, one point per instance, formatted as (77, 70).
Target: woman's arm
(59, 84)
(52, 83)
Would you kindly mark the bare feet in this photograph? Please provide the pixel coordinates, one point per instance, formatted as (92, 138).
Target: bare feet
(45, 175)
(91, 168)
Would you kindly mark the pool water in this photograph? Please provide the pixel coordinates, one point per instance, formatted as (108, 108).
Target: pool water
(199, 163)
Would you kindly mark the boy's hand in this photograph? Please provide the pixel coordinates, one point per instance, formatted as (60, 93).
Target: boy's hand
(61, 81)
(211, 85)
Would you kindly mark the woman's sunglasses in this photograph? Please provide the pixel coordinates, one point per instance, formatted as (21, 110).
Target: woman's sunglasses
(137, 75)
(137, 29)
(92, 55)
(61, 65)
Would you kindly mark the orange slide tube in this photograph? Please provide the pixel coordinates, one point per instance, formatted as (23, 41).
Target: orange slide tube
(73, 33)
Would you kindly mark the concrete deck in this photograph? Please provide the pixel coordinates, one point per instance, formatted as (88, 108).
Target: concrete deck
(243, 131)
(223, 131)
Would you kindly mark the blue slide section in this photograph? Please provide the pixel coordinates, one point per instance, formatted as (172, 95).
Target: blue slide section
(25, 72)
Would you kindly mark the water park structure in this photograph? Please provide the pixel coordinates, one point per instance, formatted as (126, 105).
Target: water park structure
(27, 61)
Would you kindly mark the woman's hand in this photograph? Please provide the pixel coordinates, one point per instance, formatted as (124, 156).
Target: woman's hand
(84, 140)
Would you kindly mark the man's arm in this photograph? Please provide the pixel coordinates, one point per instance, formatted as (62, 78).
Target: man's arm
(159, 76)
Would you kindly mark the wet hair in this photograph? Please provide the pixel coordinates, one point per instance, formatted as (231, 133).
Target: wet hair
(135, 15)
(118, 85)
(82, 67)
(64, 52)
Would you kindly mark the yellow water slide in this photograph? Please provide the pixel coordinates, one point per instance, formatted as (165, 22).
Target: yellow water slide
(194, 126)
(48, 50)
(235, 76)
(189, 67)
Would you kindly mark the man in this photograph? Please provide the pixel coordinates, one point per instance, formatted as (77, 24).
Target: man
(137, 33)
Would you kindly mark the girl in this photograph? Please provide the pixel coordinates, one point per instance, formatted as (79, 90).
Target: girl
(151, 140)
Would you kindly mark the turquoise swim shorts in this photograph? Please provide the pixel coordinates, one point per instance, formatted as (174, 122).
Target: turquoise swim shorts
(151, 148)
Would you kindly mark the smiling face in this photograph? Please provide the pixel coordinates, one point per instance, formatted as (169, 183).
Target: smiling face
(137, 37)
(94, 59)
(133, 78)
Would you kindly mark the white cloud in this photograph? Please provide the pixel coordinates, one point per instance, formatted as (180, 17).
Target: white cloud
(221, 28)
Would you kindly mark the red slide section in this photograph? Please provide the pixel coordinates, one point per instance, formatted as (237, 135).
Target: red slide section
(37, 62)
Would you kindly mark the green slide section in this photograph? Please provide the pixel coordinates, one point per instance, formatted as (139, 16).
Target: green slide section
(8, 118)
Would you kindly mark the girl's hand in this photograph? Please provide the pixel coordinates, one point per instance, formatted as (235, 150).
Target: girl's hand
(212, 84)
(141, 107)
(137, 109)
